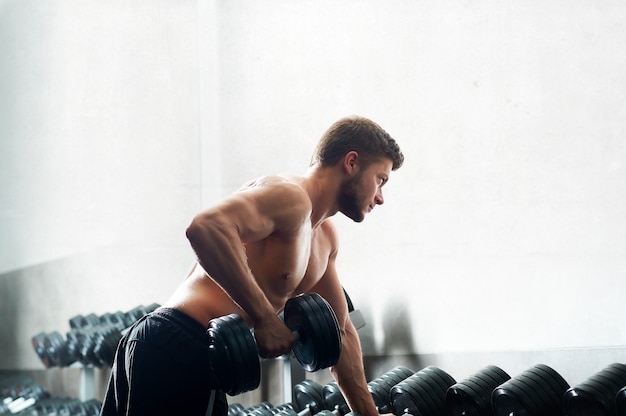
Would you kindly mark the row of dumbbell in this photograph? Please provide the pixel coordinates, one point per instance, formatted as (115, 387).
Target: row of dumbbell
(91, 340)
(287, 409)
(19, 395)
(27, 398)
(538, 391)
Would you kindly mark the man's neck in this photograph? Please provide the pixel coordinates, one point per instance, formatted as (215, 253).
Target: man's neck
(322, 185)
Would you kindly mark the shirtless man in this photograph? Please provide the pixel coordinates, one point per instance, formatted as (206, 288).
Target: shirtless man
(270, 241)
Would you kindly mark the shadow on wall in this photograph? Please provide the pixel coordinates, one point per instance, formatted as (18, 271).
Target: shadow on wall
(398, 336)
(395, 346)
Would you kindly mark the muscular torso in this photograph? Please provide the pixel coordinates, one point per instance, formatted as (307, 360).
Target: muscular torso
(284, 264)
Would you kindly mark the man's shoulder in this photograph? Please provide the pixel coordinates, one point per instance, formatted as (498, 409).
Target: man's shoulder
(284, 182)
(286, 189)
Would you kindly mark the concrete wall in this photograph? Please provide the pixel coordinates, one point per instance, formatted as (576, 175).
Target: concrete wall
(502, 236)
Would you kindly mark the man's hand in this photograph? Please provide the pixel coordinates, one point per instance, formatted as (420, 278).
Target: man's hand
(273, 338)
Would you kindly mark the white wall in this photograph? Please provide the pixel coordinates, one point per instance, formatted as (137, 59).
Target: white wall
(99, 145)
(504, 231)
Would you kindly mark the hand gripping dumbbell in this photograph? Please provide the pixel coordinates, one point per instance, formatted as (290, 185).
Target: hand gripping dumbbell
(235, 355)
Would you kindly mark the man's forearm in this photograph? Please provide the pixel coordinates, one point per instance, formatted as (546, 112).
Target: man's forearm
(350, 375)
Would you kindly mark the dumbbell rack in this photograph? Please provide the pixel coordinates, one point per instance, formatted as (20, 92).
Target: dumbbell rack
(90, 343)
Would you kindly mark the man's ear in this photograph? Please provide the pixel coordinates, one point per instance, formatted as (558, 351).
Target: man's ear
(351, 162)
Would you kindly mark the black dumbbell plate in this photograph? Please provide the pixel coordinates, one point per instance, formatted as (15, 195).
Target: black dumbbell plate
(235, 356)
(319, 341)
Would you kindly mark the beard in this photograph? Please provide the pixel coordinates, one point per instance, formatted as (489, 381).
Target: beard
(351, 200)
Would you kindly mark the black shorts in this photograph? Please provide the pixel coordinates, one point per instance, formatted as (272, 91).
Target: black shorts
(162, 367)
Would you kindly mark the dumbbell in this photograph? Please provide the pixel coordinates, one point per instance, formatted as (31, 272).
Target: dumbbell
(308, 398)
(52, 349)
(380, 387)
(536, 391)
(93, 339)
(423, 393)
(333, 398)
(255, 409)
(234, 409)
(472, 396)
(234, 354)
(598, 394)
(21, 396)
(67, 406)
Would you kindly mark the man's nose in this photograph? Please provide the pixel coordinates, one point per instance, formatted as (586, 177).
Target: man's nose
(379, 198)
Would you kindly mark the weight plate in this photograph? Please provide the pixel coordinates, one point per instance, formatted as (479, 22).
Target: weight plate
(392, 377)
(443, 379)
(403, 396)
(548, 381)
(299, 318)
(563, 385)
(461, 402)
(607, 389)
(224, 350)
(234, 354)
(331, 345)
(38, 343)
(612, 377)
(480, 396)
(234, 409)
(423, 388)
(405, 399)
(333, 398)
(541, 392)
(489, 378)
(380, 387)
(506, 403)
(319, 343)
(434, 392)
(599, 392)
(245, 358)
(556, 389)
(475, 397)
(579, 401)
(486, 382)
(380, 394)
(309, 394)
(261, 411)
(533, 394)
(440, 382)
(619, 370)
(558, 383)
(403, 372)
(286, 412)
(283, 407)
(511, 397)
(494, 374)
